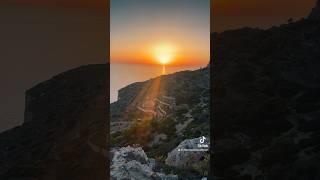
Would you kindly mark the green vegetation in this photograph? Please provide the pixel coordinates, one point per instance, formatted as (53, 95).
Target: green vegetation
(190, 91)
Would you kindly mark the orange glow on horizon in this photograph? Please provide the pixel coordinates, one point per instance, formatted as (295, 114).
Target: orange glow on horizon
(163, 53)
(155, 46)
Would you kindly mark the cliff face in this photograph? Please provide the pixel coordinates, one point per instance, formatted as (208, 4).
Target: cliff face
(64, 133)
(266, 102)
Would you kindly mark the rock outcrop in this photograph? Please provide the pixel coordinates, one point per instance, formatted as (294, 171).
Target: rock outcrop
(182, 158)
(133, 163)
(64, 133)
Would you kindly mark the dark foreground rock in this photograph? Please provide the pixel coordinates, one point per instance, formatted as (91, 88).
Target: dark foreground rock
(64, 133)
(267, 102)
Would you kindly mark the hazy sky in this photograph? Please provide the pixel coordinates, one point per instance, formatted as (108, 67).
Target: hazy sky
(140, 26)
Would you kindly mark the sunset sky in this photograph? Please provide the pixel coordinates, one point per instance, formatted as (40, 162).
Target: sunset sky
(57, 35)
(152, 31)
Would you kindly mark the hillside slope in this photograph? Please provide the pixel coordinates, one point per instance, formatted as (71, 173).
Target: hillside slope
(267, 102)
(161, 114)
(64, 133)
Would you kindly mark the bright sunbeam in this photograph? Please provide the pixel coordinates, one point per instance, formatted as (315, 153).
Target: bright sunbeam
(163, 70)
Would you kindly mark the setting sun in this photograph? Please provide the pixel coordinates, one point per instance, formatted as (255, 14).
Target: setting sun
(164, 59)
(166, 37)
(164, 53)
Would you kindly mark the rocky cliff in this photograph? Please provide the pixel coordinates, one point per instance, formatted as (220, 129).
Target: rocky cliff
(64, 133)
(266, 102)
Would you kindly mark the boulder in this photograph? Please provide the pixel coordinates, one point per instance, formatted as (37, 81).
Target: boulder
(133, 163)
(182, 158)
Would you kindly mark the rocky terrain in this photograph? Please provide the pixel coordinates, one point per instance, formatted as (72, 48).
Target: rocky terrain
(267, 102)
(162, 115)
(132, 162)
(64, 132)
(187, 159)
